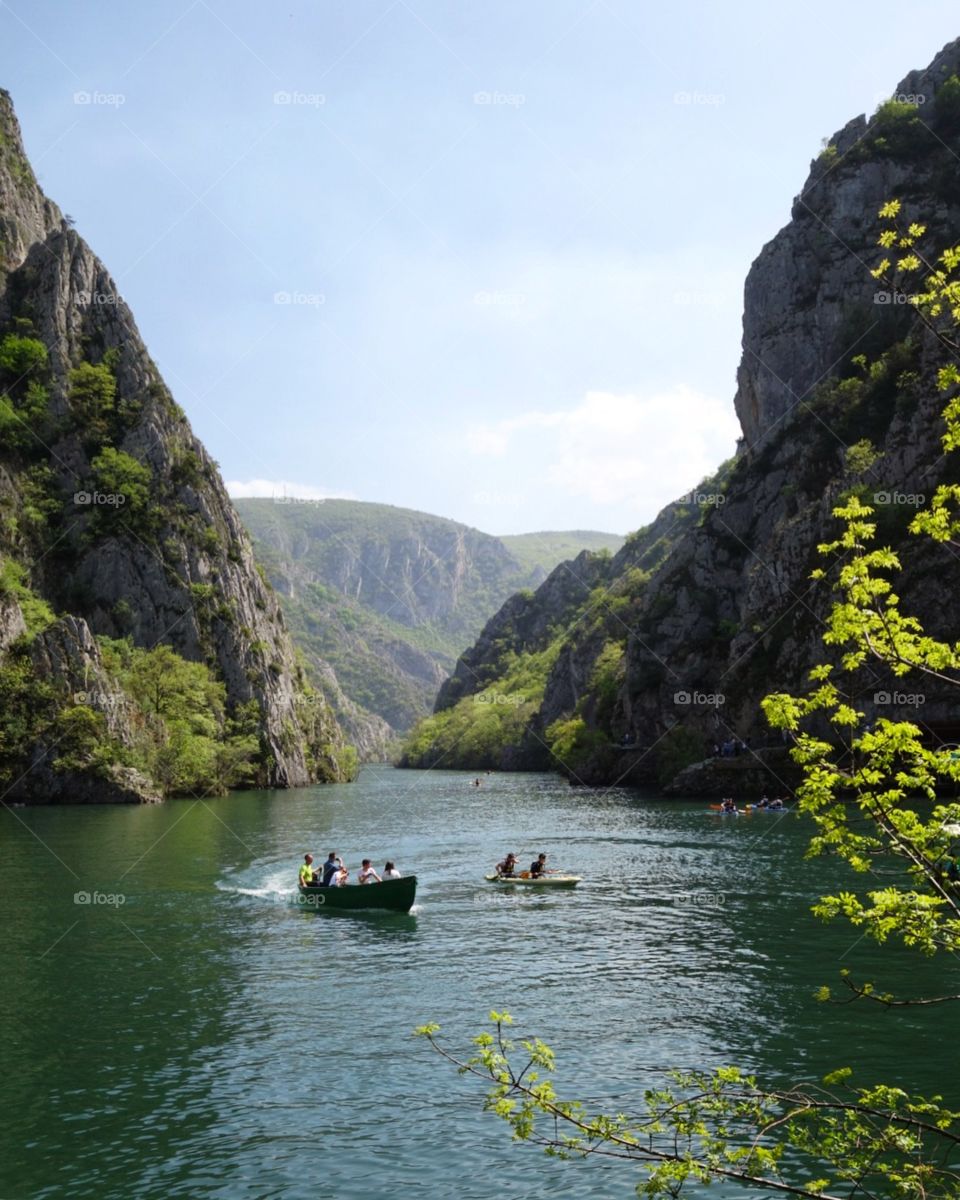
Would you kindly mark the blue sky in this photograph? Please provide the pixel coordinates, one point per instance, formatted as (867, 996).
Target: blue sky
(480, 258)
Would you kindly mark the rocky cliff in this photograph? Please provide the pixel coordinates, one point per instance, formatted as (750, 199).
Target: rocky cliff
(110, 506)
(836, 393)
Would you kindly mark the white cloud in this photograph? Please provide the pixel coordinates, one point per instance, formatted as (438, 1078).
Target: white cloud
(616, 449)
(271, 488)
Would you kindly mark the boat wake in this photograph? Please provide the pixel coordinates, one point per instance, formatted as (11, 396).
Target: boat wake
(277, 883)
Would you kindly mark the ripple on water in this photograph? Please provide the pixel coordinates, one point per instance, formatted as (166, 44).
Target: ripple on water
(229, 1043)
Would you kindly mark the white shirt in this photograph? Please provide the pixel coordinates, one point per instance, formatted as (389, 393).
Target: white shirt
(394, 874)
(367, 875)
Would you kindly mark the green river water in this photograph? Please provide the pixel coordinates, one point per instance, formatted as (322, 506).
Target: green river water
(206, 1038)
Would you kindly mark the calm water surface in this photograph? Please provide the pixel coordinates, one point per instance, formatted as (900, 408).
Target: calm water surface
(208, 1039)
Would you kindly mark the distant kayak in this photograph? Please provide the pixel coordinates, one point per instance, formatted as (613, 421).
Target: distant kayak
(525, 879)
(392, 895)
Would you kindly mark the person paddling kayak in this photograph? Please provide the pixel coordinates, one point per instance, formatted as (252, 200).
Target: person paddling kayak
(507, 867)
(538, 867)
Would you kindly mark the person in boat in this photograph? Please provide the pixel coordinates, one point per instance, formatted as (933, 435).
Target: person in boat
(729, 804)
(764, 802)
(333, 866)
(775, 804)
(307, 874)
(508, 866)
(390, 871)
(538, 868)
(367, 873)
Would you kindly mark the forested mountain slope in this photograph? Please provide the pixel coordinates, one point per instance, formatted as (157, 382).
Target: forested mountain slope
(389, 597)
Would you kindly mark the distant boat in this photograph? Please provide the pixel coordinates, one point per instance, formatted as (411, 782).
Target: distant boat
(525, 879)
(392, 895)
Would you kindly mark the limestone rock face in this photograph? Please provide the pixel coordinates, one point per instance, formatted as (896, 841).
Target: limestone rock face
(179, 571)
(809, 300)
(728, 613)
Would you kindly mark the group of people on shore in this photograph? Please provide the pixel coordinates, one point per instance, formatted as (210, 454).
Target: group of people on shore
(333, 873)
(508, 867)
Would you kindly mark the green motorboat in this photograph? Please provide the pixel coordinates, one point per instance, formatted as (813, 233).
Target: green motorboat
(392, 895)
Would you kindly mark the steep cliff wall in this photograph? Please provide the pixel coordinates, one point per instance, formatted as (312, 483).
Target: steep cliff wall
(663, 670)
(107, 499)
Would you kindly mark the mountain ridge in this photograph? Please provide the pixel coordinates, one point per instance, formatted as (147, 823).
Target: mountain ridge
(387, 597)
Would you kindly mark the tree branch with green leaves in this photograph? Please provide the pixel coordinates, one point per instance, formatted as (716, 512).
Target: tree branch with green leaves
(872, 790)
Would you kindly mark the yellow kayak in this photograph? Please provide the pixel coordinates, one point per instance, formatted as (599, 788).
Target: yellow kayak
(525, 879)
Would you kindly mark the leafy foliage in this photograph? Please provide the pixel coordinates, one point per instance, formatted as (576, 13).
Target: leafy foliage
(479, 728)
(693, 1127)
(188, 742)
(860, 786)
